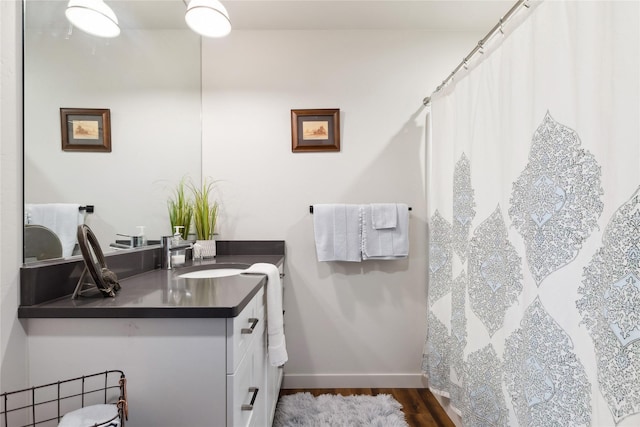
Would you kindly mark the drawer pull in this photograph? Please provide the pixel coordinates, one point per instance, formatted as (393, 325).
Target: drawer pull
(249, 407)
(254, 322)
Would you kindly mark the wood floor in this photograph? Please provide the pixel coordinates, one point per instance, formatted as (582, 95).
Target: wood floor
(420, 407)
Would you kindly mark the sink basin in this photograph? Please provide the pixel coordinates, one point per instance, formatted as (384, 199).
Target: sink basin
(211, 273)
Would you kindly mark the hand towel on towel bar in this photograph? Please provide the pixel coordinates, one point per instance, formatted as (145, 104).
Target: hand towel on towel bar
(387, 243)
(337, 232)
(61, 218)
(277, 346)
(384, 215)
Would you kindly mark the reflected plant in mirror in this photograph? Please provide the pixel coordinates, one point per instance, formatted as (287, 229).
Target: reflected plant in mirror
(180, 210)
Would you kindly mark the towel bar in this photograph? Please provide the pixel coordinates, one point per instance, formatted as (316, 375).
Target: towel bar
(87, 209)
(311, 208)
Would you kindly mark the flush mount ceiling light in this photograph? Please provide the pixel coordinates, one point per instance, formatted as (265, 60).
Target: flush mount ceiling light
(93, 17)
(208, 18)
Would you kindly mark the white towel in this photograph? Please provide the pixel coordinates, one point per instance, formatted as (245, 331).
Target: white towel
(387, 243)
(384, 215)
(90, 416)
(337, 232)
(61, 218)
(277, 346)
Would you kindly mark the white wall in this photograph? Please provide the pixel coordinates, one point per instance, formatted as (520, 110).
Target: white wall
(13, 352)
(347, 324)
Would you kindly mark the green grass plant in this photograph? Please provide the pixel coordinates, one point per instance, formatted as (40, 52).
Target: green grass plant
(181, 209)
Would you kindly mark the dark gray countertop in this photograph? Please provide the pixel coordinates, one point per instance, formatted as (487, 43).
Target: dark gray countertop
(161, 294)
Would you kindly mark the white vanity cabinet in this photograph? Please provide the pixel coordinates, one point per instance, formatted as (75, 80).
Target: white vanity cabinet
(246, 400)
(196, 372)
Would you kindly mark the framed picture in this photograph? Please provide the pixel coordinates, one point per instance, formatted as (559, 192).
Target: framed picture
(87, 129)
(315, 130)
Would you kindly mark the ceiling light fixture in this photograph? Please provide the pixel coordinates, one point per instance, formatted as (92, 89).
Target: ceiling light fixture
(93, 17)
(208, 18)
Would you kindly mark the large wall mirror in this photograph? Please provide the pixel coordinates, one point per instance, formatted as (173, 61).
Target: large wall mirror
(148, 78)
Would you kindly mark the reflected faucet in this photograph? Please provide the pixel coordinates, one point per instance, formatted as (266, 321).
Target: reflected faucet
(134, 241)
(168, 247)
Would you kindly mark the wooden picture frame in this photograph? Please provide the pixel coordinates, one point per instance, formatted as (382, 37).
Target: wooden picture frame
(315, 130)
(86, 129)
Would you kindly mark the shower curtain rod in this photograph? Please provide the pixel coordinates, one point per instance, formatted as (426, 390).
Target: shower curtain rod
(479, 46)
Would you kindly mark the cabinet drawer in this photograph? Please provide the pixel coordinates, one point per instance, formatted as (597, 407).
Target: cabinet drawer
(242, 330)
(245, 388)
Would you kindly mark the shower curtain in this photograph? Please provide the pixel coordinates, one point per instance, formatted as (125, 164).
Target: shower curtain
(533, 176)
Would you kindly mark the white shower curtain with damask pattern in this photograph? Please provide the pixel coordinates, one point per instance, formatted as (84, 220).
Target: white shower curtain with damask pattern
(534, 237)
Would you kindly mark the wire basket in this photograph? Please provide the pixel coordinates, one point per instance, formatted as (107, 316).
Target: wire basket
(46, 405)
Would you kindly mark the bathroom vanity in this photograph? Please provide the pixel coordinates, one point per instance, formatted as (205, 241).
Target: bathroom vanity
(194, 350)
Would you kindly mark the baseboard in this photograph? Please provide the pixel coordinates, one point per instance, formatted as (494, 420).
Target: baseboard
(353, 381)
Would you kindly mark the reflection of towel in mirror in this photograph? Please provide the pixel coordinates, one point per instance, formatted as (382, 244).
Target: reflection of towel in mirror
(277, 346)
(386, 243)
(61, 218)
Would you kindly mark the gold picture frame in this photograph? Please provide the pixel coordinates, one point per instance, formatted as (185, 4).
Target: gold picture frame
(315, 130)
(86, 129)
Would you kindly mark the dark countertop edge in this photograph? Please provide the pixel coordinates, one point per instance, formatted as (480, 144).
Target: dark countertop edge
(172, 312)
(123, 313)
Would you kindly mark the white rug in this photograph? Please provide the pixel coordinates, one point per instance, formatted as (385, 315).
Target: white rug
(327, 410)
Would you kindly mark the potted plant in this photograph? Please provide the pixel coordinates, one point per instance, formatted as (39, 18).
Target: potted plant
(205, 213)
(180, 209)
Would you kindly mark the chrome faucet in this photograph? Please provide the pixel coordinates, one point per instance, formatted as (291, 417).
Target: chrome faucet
(169, 246)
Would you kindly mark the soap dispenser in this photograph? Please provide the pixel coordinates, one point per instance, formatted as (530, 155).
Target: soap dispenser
(178, 257)
(177, 234)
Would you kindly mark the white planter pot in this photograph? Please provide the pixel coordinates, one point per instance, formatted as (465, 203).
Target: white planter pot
(204, 249)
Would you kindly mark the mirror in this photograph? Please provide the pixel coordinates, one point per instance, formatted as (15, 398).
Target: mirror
(148, 78)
